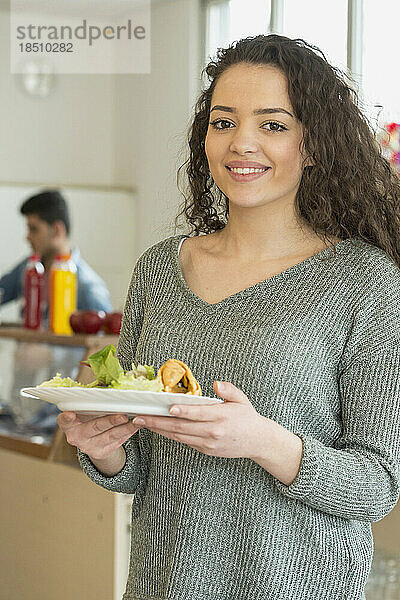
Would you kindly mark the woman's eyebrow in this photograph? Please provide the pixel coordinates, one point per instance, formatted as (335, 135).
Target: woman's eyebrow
(258, 111)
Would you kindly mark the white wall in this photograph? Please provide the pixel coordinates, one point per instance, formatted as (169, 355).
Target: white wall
(67, 137)
(152, 115)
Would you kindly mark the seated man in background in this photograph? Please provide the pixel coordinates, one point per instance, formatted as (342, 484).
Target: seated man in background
(48, 226)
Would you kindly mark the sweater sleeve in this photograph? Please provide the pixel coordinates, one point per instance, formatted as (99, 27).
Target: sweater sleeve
(132, 477)
(359, 476)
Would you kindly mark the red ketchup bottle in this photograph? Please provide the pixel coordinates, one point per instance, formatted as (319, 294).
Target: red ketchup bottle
(33, 292)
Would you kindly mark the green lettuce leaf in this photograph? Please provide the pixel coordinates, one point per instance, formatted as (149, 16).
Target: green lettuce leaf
(59, 381)
(105, 365)
(130, 382)
(150, 372)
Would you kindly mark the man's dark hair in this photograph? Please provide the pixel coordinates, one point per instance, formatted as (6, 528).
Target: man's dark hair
(49, 206)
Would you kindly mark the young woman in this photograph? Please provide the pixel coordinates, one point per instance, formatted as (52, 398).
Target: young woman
(288, 293)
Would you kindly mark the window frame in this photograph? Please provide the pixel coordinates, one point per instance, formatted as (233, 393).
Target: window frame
(354, 32)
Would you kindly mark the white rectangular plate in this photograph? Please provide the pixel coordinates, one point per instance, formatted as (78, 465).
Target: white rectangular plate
(107, 401)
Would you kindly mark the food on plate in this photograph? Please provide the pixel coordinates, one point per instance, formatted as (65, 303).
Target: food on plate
(177, 378)
(87, 321)
(59, 381)
(173, 376)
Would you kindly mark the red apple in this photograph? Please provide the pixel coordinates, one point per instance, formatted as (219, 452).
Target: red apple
(112, 323)
(87, 321)
(75, 321)
(91, 320)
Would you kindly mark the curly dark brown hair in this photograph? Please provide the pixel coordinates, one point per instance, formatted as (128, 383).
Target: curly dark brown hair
(350, 191)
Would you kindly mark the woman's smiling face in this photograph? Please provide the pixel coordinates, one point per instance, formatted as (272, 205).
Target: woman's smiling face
(270, 137)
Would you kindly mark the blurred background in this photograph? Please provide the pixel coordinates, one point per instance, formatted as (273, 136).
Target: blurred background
(112, 145)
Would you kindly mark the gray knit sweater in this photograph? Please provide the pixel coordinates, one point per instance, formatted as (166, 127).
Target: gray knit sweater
(315, 348)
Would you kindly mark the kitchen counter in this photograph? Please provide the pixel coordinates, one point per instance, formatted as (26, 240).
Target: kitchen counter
(48, 444)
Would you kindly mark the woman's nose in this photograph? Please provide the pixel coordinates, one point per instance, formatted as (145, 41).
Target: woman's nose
(243, 140)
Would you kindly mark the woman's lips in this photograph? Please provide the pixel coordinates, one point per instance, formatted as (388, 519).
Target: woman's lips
(246, 178)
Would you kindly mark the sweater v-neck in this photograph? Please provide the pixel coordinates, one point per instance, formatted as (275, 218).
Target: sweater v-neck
(258, 287)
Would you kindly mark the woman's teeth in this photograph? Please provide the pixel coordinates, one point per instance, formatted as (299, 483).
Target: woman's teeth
(247, 171)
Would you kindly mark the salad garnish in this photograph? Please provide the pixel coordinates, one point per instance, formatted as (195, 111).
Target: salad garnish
(109, 374)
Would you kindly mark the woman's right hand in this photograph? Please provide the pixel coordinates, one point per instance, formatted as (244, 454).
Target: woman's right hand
(98, 437)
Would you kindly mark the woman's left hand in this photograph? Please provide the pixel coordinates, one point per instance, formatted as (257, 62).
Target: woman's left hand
(231, 430)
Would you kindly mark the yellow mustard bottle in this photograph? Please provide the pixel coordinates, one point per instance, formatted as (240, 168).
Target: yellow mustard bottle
(62, 294)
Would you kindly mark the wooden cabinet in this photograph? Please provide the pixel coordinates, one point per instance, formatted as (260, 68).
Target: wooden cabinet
(57, 531)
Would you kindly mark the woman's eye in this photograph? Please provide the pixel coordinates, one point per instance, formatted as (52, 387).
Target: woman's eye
(218, 121)
(274, 125)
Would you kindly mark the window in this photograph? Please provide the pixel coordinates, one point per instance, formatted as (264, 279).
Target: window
(380, 51)
(232, 20)
(322, 24)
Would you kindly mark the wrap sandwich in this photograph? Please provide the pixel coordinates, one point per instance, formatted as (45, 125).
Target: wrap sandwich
(177, 378)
